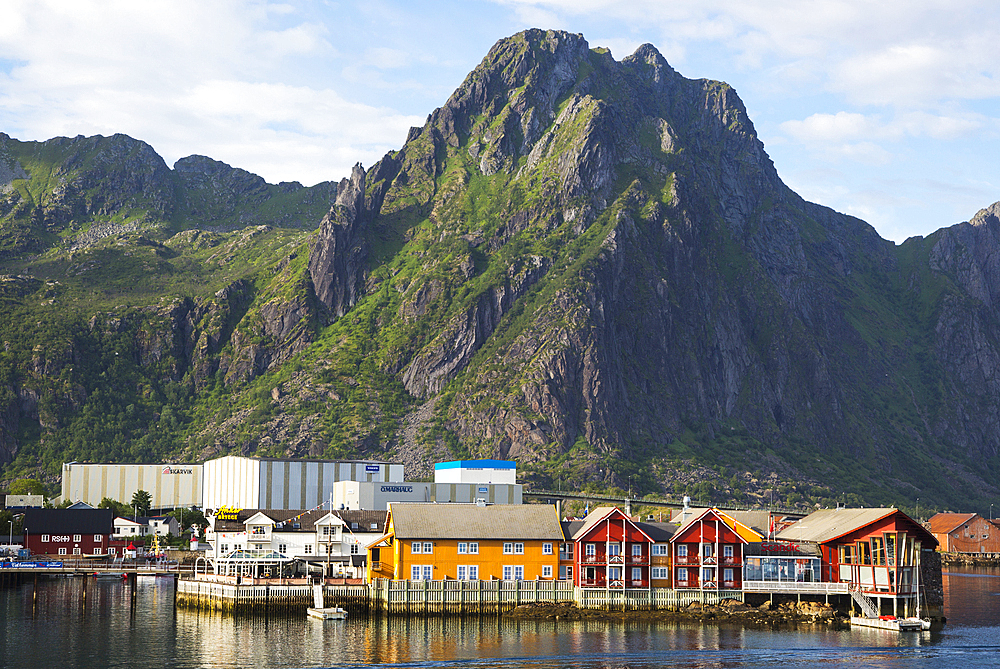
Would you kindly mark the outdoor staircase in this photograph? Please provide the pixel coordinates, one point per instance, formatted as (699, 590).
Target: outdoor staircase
(865, 602)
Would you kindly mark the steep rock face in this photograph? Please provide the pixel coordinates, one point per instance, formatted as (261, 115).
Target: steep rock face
(337, 260)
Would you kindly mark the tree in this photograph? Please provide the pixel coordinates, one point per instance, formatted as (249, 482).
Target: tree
(188, 517)
(141, 501)
(28, 487)
(120, 509)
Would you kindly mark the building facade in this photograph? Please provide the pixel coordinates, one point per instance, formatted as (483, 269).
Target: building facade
(708, 551)
(69, 532)
(965, 533)
(468, 542)
(170, 486)
(237, 482)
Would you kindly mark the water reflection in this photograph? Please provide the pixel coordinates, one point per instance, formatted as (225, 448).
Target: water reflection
(84, 623)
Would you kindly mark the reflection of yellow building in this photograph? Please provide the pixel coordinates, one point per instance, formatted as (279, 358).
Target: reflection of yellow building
(467, 542)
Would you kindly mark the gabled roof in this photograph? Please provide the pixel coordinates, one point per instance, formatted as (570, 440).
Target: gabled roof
(68, 521)
(307, 519)
(747, 534)
(469, 521)
(658, 532)
(828, 524)
(946, 523)
(758, 520)
(599, 515)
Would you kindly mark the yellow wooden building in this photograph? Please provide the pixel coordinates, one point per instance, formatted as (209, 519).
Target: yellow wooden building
(468, 542)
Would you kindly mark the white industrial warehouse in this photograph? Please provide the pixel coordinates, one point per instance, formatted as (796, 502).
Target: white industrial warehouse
(237, 482)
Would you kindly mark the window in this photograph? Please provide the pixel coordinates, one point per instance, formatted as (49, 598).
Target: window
(415, 572)
(416, 548)
(62, 551)
(547, 571)
(508, 549)
(565, 573)
(473, 572)
(97, 551)
(708, 573)
(636, 550)
(659, 572)
(428, 547)
(508, 572)
(682, 550)
(462, 572)
(224, 548)
(682, 574)
(98, 538)
(614, 549)
(428, 572)
(473, 548)
(354, 549)
(727, 574)
(546, 549)
(727, 551)
(77, 551)
(590, 550)
(77, 537)
(661, 549)
(636, 573)
(518, 573)
(112, 550)
(518, 549)
(283, 548)
(614, 573)
(260, 531)
(259, 546)
(463, 548)
(708, 550)
(307, 549)
(45, 538)
(847, 554)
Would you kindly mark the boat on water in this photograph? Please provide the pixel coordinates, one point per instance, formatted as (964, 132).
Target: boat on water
(335, 613)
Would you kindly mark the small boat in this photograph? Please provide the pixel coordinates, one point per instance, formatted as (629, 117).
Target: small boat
(109, 576)
(335, 613)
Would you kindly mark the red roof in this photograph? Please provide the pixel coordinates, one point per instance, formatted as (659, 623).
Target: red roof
(946, 523)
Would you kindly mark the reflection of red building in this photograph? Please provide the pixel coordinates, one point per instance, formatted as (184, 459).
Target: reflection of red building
(67, 532)
(613, 551)
(708, 552)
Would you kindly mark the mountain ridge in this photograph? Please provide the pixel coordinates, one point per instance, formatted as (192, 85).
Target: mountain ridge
(587, 265)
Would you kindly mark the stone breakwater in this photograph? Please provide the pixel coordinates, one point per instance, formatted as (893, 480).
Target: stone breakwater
(726, 612)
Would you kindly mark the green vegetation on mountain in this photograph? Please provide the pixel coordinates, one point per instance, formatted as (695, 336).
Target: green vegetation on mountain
(586, 265)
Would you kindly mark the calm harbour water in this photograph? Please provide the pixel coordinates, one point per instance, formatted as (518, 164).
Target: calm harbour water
(69, 623)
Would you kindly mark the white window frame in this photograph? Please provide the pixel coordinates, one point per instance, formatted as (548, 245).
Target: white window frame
(428, 572)
(636, 550)
(508, 549)
(474, 549)
(77, 551)
(547, 548)
(615, 573)
(518, 548)
(682, 550)
(616, 546)
(463, 549)
(546, 571)
(508, 572)
(112, 551)
(727, 574)
(416, 548)
(415, 572)
(682, 574)
(473, 572)
(590, 550)
(45, 538)
(97, 550)
(283, 549)
(307, 549)
(428, 547)
(98, 538)
(77, 537)
(708, 574)
(461, 572)
(660, 549)
(62, 551)
(355, 549)
(660, 573)
(636, 573)
(727, 551)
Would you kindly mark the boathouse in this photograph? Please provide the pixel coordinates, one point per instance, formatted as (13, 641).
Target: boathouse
(708, 552)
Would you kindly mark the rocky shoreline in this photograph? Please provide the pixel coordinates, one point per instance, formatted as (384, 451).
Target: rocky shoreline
(728, 611)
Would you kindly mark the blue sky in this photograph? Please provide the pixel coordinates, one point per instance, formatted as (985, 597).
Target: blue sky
(885, 109)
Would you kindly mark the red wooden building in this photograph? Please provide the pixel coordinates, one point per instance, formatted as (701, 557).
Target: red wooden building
(613, 551)
(67, 532)
(965, 533)
(873, 552)
(708, 552)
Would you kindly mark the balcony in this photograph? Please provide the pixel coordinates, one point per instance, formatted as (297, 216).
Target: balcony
(616, 559)
(686, 559)
(731, 561)
(638, 559)
(593, 559)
